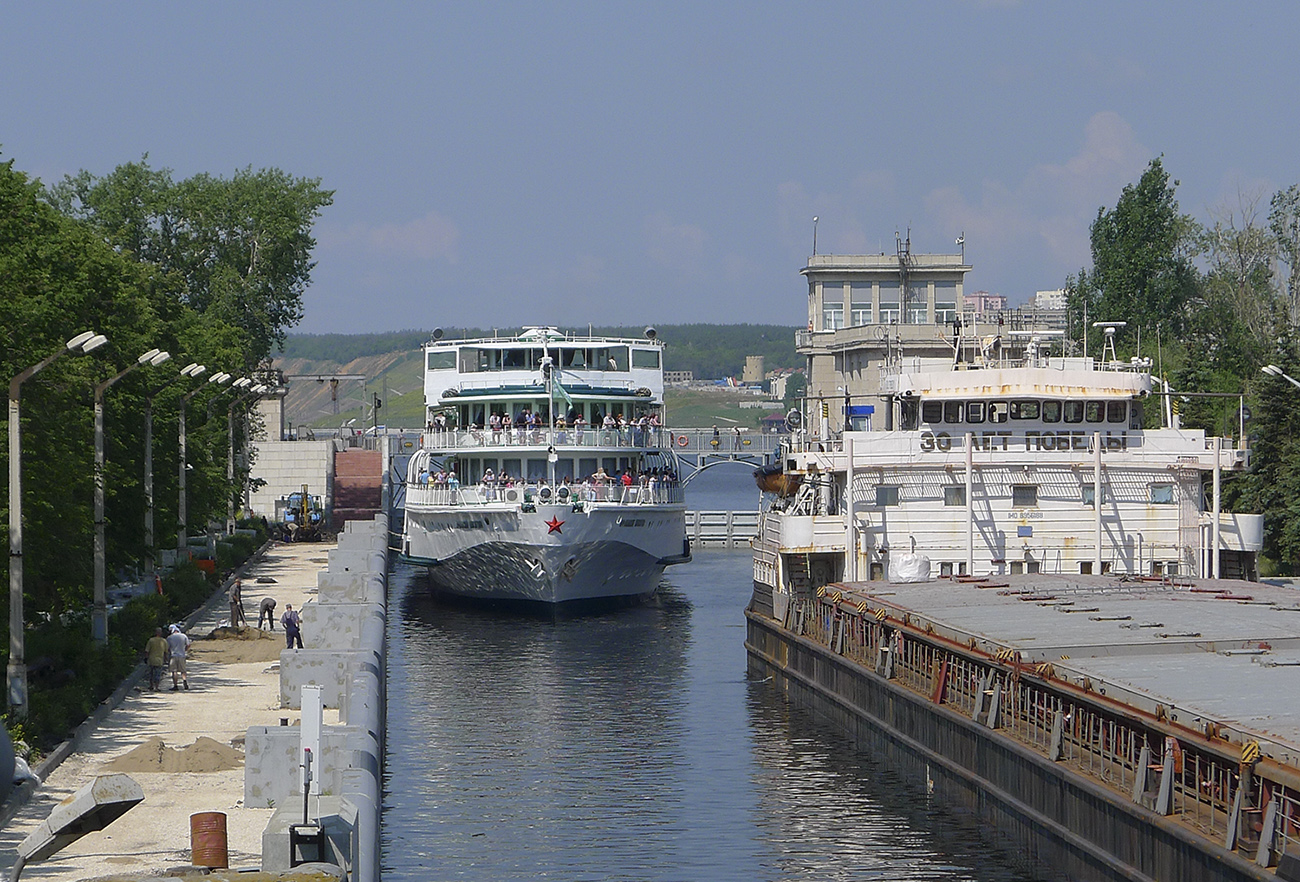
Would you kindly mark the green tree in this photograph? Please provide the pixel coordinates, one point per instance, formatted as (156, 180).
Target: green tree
(1142, 271)
(1284, 221)
(235, 250)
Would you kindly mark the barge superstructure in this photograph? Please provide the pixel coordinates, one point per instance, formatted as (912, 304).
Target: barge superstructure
(545, 473)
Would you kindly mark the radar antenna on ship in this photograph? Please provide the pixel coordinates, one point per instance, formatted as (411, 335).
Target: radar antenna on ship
(1108, 330)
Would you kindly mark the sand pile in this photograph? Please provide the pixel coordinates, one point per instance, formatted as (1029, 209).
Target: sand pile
(204, 755)
(235, 645)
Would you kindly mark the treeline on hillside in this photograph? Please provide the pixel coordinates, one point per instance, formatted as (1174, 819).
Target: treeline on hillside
(708, 351)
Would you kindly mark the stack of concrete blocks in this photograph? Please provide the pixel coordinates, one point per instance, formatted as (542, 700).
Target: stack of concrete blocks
(344, 658)
(285, 466)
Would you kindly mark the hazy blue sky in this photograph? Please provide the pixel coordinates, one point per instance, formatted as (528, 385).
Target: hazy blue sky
(527, 163)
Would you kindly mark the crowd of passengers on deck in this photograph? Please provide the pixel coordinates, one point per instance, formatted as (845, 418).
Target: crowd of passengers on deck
(653, 485)
(530, 428)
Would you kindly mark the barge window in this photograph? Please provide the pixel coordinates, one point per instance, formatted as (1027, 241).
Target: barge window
(442, 360)
(1094, 411)
(1115, 412)
(1162, 494)
(645, 358)
(975, 411)
(952, 411)
(886, 495)
(1073, 411)
(931, 411)
(955, 495)
(998, 411)
(1024, 409)
(1051, 411)
(1024, 495)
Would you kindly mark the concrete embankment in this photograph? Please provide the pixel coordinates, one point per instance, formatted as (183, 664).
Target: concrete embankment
(232, 744)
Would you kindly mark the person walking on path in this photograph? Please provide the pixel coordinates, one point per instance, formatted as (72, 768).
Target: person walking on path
(266, 611)
(237, 617)
(156, 657)
(292, 627)
(178, 643)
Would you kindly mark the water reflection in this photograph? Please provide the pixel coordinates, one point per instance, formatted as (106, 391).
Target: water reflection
(629, 745)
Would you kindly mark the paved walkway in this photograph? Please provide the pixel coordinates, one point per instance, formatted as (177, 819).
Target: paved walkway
(224, 700)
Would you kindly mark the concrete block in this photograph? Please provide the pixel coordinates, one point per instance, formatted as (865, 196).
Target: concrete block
(346, 586)
(328, 668)
(337, 625)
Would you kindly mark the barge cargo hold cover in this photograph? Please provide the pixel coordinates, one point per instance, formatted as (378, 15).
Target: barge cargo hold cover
(1114, 727)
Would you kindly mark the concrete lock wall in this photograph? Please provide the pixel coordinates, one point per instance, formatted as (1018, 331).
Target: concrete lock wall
(285, 466)
(344, 628)
(1058, 820)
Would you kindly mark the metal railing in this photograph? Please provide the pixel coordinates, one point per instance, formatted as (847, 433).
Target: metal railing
(534, 493)
(1234, 799)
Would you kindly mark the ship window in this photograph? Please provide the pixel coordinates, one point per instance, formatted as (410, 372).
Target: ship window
(1135, 415)
(952, 411)
(945, 568)
(442, 360)
(536, 470)
(954, 495)
(1089, 494)
(886, 496)
(1094, 411)
(514, 359)
(645, 358)
(975, 411)
(1115, 412)
(997, 411)
(1024, 409)
(563, 469)
(1073, 411)
(931, 411)
(512, 468)
(907, 412)
(1051, 411)
(575, 358)
(1024, 495)
(1162, 494)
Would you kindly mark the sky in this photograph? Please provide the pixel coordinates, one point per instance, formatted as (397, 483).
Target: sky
(506, 164)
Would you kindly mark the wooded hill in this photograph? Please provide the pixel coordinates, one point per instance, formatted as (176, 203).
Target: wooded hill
(391, 364)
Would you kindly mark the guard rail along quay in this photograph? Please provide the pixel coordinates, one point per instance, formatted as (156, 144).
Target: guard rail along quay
(323, 777)
(1114, 727)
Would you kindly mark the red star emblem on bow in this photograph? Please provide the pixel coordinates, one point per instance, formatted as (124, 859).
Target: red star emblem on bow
(553, 525)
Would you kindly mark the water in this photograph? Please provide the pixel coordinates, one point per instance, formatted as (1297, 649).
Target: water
(631, 746)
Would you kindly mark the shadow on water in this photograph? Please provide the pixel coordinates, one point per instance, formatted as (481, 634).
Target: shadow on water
(629, 745)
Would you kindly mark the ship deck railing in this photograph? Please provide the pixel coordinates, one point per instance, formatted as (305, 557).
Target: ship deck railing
(613, 493)
(626, 438)
(1216, 781)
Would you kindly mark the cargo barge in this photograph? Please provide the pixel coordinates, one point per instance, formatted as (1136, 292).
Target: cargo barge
(1113, 727)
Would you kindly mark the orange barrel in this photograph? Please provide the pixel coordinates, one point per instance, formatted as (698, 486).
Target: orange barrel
(208, 840)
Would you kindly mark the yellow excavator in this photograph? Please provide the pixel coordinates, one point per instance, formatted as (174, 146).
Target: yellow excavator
(303, 517)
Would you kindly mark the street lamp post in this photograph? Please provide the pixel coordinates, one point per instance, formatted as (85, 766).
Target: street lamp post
(241, 384)
(1274, 371)
(182, 513)
(99, 613)
(16, 675)
(193, 369)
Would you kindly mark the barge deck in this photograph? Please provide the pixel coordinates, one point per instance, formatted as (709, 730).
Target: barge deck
(1115, 727)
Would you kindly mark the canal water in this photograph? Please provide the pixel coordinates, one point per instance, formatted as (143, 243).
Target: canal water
(630, 745)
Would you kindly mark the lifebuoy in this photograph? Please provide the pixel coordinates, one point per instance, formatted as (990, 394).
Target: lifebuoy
(682, 440)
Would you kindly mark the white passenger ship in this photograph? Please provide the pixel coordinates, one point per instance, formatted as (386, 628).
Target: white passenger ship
(987, 462)
(545, 474)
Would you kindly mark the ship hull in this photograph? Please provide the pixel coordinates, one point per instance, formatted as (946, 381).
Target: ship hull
(551, 556)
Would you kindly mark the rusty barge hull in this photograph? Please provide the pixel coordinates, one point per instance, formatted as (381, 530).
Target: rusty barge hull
(1084, 718)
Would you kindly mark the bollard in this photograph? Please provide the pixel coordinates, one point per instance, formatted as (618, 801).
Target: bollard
(208, 840)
